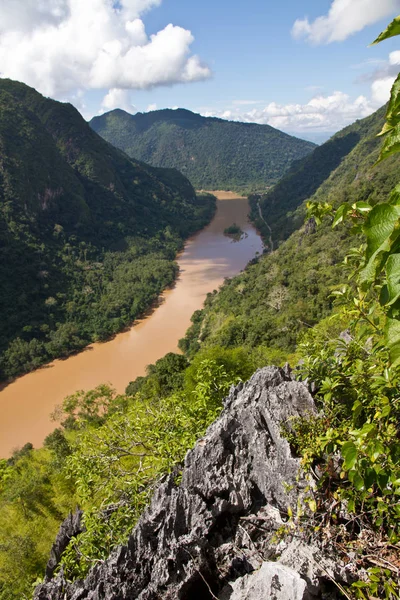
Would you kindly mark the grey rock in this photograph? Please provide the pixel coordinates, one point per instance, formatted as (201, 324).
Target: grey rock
(271, 582)
(71, 527)
(219, 524)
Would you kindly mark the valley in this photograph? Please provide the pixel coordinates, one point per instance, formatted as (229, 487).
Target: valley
(208, 258)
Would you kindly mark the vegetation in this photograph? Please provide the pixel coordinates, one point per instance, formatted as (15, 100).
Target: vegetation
(234, 231)
(343, 169)
(355, 441)
(212, 153)
(87, 236)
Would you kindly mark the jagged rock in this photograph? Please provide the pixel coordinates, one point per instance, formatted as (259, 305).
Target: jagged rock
(272, 582)
(219, 524)
(71, 527)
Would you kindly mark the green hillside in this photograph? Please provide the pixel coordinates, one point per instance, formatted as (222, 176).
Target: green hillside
(87, 236)
(338, 171)
(212, 153)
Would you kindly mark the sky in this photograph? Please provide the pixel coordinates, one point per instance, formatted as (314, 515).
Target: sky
(303, 67)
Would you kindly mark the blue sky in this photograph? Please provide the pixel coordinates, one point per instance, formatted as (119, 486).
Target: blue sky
(246, 61)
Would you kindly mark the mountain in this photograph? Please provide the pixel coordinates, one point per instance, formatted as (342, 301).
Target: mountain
(288, 290)
(87, 235)
(213, 153)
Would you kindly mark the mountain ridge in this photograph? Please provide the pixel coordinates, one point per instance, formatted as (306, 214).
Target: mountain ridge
(213, 153)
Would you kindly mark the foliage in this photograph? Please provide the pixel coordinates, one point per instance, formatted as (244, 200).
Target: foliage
(356, 441)
(212, 153)
(87, 236)
(34, 496)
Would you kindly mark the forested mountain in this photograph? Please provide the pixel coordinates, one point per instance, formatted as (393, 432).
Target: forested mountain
(213, 153)
(339, 171)
(87, 236)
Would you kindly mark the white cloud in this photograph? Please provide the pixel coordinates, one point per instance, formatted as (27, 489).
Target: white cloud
(345, 17)
(321, 113)
(151, 107)
(59, 46)
(117, 98)
(381, 90)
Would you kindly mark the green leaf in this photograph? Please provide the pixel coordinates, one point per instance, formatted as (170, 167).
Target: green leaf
(358, 482)
(340, 214)
(370, 478)
(391, 144)
(357, 409)
(391, 30)
(349, 453)
(383, 479)
(362, 207)
(376, 450)
(351, 505)
(394, 196)
(382, 229)
(393, 110)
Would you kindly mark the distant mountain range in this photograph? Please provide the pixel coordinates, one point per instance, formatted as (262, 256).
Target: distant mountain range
(213, 153)
(68, 202)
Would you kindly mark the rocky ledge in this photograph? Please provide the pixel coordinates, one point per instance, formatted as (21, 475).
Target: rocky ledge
(222, 532)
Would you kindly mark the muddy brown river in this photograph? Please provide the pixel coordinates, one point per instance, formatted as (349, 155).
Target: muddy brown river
(208, 257)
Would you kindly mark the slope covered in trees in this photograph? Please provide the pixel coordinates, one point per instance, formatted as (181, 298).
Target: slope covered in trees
(87, 236)
(213, 153)
(341, 166)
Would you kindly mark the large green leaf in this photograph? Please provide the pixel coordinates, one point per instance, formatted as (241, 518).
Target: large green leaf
(391, 30)
(391, 144)
(382, 229)
(341, 213)
(349, 453)
(393, 110)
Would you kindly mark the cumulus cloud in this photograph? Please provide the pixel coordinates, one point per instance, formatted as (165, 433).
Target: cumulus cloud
(382, 78)
(345, 17)
(321, 113)
(60, 46)
(151, 107)
(117, 98)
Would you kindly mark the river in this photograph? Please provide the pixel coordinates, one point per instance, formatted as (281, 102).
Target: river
(208, 257)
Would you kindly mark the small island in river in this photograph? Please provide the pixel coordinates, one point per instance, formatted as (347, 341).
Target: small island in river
(235, 232)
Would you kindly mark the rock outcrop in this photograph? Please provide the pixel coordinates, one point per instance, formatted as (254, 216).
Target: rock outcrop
(217, 533)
